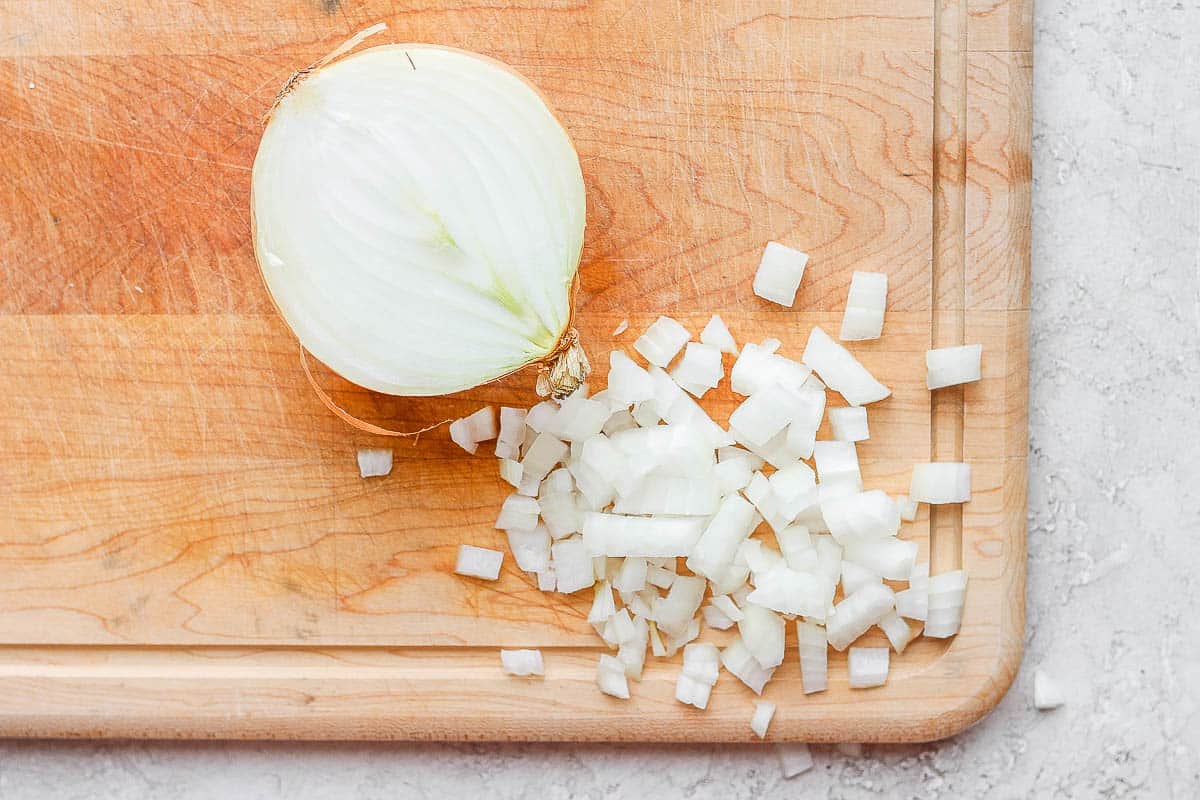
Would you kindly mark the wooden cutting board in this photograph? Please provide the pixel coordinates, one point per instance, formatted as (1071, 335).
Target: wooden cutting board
(186, 549)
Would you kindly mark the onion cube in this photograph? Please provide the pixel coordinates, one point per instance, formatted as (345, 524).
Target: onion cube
(950, 366)
(763, 712)
(868, 667)
(849, 424)
(865, 304)
(941, 482)
(779, 274)
(611, 678)
(662, 341)
(522, 662)
(374, 463)
(716, 334)
(478, 562)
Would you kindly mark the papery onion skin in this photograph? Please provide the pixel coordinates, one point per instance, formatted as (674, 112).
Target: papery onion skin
(418, 219)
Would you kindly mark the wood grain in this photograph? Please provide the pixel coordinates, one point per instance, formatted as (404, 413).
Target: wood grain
(186, 547)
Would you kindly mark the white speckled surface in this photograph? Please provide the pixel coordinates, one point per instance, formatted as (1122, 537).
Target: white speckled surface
(1114, 508)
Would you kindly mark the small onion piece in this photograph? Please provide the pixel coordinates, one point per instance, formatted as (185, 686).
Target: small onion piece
(941, 482)
(779, 274)
(814, 657)
(420, 252)
(897, 631)
(522, 663)
(762, 632)
(947, 593)
(865, 304)
(763, 712)
(740, 662)
(717, 334)
(950, 366)
(702, 662)
(572, 565)
(1046, 694)
(611, 677)
(662, 341)
(469, 431)
(620, 536)
(855, 614)
(868, 667)
(512, 433)
(849, 424)
(603, 605)
(841, 370)
(478, 562)
(374, 462)
(622, 326)
(530, 548)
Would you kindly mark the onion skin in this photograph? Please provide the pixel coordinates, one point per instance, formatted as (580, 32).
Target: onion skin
(564, 365)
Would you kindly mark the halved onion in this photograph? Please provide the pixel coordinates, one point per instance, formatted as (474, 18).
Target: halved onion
(418, 218)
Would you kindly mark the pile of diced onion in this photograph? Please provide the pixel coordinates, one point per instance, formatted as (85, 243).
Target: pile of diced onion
(677, 524)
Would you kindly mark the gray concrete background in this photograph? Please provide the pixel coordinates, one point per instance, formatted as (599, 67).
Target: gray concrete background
(1114, 508)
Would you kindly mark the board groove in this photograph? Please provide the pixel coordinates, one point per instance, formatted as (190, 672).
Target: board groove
(185, 547)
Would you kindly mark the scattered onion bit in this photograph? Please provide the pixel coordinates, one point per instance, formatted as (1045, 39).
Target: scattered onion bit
(522, 662)
(374, 463)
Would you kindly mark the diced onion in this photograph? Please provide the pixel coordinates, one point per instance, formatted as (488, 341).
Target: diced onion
(736, 658)
(662, 341)
(478, 562)
(578, 418)
(908, 508)
(700, 367)
(715, 618)
(762, 632)
(572, 565)
(632, 575)
(950, 366)
(941, 482)
(620, 536)
(841, 370)
(947, 593)
(728, 607)
(1046, 694)
(530, 548)
(868, 667)
(540, 415)
(725, 532)
(469, 431)
(814, 657)
(849, 424)
(716, 334)
(512, 433)
(764, 414)
(511, 471)
(897, 631)
(603, 605)
(865, 305)
(855, 614)
(692, 692)
(543, 455)
(837, 462)
(763, 712)
(889, 557)
(675, 612)
(702, 662)
(779, 273)
(518, 512)
(522, 662)
(622, 326)
(611, 678)
(628, 383)
(855, 576)
(374, 463)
